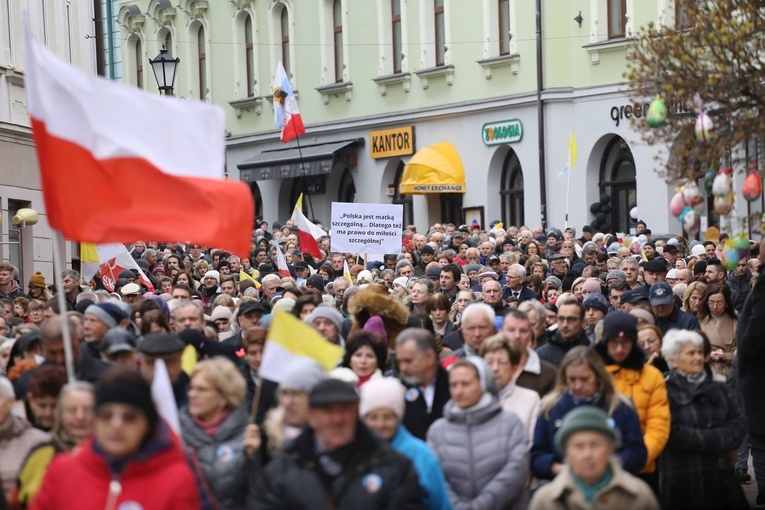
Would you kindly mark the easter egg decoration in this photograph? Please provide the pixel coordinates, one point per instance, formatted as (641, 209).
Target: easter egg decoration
(722, 184)
(723, 204)
(692, 194)
(634, 213)
(657, 113)
(730, 256)
(677, 204)
(704, 128)
(752, 189)
(692, 222)
(741, 242)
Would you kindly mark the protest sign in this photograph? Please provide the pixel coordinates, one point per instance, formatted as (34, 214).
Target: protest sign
(366, 228)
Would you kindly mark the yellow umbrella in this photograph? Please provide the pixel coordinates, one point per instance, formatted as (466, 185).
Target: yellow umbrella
(435, 169)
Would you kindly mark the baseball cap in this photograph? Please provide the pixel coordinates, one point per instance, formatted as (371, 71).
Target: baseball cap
(660, 294)
(634, 295)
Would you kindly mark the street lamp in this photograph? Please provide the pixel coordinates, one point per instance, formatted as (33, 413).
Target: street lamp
(164, 67)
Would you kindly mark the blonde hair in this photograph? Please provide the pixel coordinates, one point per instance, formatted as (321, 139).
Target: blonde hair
(693, 287)
(223, 375)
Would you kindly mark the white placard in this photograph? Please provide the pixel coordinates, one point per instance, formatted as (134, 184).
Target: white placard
(366, 228)
(704, 224)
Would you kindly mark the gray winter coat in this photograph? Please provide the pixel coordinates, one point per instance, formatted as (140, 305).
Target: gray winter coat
(228, 474)
(484, 457)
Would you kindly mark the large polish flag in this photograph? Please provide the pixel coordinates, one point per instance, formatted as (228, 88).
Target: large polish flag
(308, 232)
(102, 144)
(286, 112)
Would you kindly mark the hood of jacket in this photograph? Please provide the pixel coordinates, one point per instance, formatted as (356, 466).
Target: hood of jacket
(452, 412)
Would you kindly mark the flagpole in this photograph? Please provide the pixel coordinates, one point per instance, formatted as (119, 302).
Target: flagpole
(305, 179)
(58, 268)
(256, 401)
(568, 193)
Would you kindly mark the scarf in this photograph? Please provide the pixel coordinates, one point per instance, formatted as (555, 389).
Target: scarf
(62, 441)
(589, 401)
(210, 427)
(693, 378)
(590, 491)
(483, 402)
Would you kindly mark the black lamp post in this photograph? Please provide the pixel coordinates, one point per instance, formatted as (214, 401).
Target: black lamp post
(164, 67)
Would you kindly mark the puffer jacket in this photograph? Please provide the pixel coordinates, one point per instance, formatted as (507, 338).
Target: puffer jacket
(227, 471)
(631, 453)
(373, 477)
(644, 384)
(17, 438)
(483, 454)
(429, 471)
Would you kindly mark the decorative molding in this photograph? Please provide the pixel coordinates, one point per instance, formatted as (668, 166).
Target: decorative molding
(346, 87)
(623, 43)
(512, 60)
(12, 76)
(405, 79)
(131, 19)
(247, 103)
(435, 72)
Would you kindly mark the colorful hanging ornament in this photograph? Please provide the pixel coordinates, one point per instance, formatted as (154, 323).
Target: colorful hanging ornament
(704, 125)
(709, 179)
(657, 113)
(691, 222)
(723, 204)
(692, 194)
(730, 255)
(741, 242)
(752, 189)
(722, 185)
(677, 204)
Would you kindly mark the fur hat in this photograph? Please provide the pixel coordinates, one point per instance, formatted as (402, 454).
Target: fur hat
(375, 300)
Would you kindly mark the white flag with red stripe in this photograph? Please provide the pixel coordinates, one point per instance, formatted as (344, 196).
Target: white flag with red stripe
(308, 233)
(281, 263)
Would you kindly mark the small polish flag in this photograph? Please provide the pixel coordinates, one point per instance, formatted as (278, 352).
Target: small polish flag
(308, 233)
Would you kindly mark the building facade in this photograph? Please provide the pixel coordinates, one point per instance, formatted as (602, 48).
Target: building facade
(379, 80)
(64, 26)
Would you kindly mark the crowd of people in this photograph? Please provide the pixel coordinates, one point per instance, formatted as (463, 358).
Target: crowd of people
(484, 369)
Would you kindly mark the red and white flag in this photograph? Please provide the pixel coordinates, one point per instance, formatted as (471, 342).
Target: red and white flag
(281, 263)
(101, 144)
(111, 260)
(308, 233)
(286, 112)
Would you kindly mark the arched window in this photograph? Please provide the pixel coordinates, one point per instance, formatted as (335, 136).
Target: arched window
(504, 27)
(398, 48)
(285, 29)
(138, 64)
(202, 59)
(440, 22)
(511, 192)
(169, 42)
(249, 56)
(347, 189)
(398, 198)
(337, 22)
(257, 198)
(617, 179)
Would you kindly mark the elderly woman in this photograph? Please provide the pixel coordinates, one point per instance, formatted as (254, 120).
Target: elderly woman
(73, 422)
(213, 429)
(382, 409)
(649, 338)
(42, 395)
(592, 477)
(584, 381)
(17, 438)
(132, 460)
(695, 468)
(502, 353)
(481, 448)
(693, 297)
(718, 321)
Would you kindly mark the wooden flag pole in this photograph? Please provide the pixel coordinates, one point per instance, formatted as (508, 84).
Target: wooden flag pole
(58, 267)
(256, 401)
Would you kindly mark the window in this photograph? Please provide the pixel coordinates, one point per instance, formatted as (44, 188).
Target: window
(138, 64)
(617, 18)
(285, 25)
(347, 189)
(511, 193)
(438, 12)
(617, 179)
(168, 44)
(504, 27)
(405, 200)
(398, 49)
(682, 14)
(337, 22)
(202, 59)
(249, 57)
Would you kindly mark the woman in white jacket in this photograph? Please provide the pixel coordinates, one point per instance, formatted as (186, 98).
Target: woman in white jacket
(481, 448)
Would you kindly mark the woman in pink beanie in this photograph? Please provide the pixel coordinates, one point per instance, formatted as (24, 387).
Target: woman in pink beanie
(382, 409)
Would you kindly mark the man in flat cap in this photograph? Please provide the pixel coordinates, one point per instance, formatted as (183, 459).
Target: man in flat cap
(169, 348)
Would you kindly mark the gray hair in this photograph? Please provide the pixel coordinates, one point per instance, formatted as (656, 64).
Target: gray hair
(70, 388)
(674, 340)
(6, 389)
(422, 338)
(86, 295)
(519, 269)
(479, 307)
(427, 282)
(271, 278)
(185, 304)
(628, 260)
(342, 278)
(102, 295)
(148, 253)
(532, 305)
(74, 275)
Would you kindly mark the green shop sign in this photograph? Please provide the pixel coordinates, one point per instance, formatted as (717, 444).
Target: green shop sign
(502, 132)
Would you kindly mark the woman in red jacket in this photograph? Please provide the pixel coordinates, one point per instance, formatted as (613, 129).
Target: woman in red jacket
(132, 461)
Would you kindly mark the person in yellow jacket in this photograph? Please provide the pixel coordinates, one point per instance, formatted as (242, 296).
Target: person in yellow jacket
(643, 383)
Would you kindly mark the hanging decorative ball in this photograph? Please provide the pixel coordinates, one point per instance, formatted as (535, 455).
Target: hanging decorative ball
(709, 179)
(682, 214)
(634, 213)
(722, 184)
(677, 204)
(741, 242)
(691, 222)
(704, 127)
(730, 256)
(657, 113)
(692, 194)
(752, 189)
(723, 204)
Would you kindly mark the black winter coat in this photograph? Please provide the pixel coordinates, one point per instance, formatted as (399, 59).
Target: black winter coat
(750, 338)
(374, 477)
(556, 348)
(417, 417)
(695, 467)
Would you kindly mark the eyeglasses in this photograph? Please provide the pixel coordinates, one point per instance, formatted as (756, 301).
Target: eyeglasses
(715, 304)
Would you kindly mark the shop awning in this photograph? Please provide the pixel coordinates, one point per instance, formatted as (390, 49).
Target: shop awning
(434, 169)
(286, 163)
